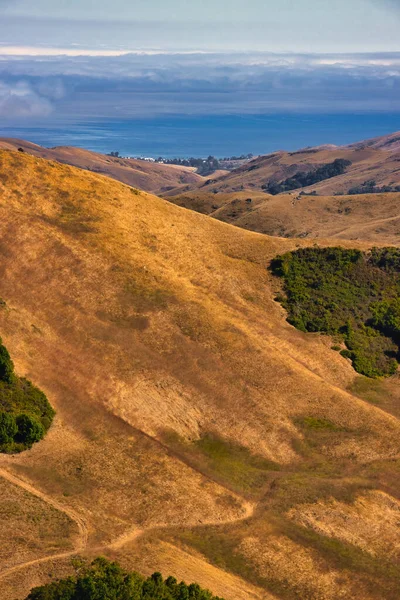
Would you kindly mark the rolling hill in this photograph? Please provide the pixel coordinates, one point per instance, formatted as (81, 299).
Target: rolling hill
(371, 217)
(144, 175)
(320, 210)
(377, 160)
(197, 433)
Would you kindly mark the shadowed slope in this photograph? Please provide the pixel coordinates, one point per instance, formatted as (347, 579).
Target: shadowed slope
(154, 332)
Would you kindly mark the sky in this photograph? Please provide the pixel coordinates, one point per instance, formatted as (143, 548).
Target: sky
(228, 25)
(75, 59)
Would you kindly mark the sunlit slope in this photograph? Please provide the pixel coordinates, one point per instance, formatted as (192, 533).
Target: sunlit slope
(181, 392)
(380, 164)
(374, 218)
(145, 175)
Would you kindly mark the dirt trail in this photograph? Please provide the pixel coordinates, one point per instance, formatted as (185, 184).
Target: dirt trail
(134, 534)
(77, 519)
(80, 523)
(37, 561)
(368, 224)
(82, 543)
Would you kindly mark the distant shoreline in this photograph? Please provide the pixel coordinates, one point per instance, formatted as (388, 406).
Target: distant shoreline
(200, 136)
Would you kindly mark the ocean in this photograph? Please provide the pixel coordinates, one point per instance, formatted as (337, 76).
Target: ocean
(200, 136)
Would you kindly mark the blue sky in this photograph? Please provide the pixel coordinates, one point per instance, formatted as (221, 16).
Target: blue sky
(73, 59)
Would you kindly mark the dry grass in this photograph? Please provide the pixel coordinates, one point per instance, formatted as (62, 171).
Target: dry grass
(136, 173)
(370, 217)
(378, 163)
(137, 317)
(31, 528)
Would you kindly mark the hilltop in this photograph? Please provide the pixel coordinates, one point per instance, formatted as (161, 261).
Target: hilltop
(145, 175)
(376, 160)
(197, 433)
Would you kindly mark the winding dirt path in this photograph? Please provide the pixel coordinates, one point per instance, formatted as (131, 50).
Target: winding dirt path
(82, 542)
(77, 519)
(134, 534)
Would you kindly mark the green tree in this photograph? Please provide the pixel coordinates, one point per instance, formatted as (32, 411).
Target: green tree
(6, 364)
(104, 580)
(8, 428)
(29, 430)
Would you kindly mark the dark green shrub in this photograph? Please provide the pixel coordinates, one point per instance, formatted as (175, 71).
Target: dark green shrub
(8, 428)
(6, 364)
(299, 180)
(350, 294)
(25, 413)
(29, 430)
(370, 187)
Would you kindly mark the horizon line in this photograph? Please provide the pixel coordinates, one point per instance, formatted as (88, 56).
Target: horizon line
(52, 51)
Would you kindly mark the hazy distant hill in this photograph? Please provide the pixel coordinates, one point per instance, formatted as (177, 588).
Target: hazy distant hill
(197, 432)
(377, 160)
(144, 175)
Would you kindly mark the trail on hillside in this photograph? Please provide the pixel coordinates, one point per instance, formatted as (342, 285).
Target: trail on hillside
(38, 561)
(69, 512)
(82, 544)
(77, 519)
(372, 223)
(134, 534)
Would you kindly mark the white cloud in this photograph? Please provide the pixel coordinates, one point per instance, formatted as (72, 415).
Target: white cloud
(20, 100)
(158, 83)
(44, 51)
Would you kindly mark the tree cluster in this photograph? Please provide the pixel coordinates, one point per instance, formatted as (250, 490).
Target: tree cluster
(204, 166)
(370, 187)
(349, 294)
(25, 413)
(104, 580)
(300, 180)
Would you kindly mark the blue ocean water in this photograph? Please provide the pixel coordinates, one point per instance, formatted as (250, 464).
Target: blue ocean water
(199, 136)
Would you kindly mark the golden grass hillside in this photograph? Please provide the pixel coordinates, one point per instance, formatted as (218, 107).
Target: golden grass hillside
(373, 218)
(370, 161)
(184, 436)
(145, 175)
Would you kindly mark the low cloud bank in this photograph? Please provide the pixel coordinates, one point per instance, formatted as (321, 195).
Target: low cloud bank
(151, 84)
(21, 100)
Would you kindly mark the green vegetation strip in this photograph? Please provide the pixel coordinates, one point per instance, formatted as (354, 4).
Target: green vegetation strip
(104, 580)
(301, 179)
(224, 461)
(25, 413)
(349, 294)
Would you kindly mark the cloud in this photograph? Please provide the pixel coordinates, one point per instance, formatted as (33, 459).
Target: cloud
(20, 100)
(49, 51)
(152, 84)
(391, 4)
